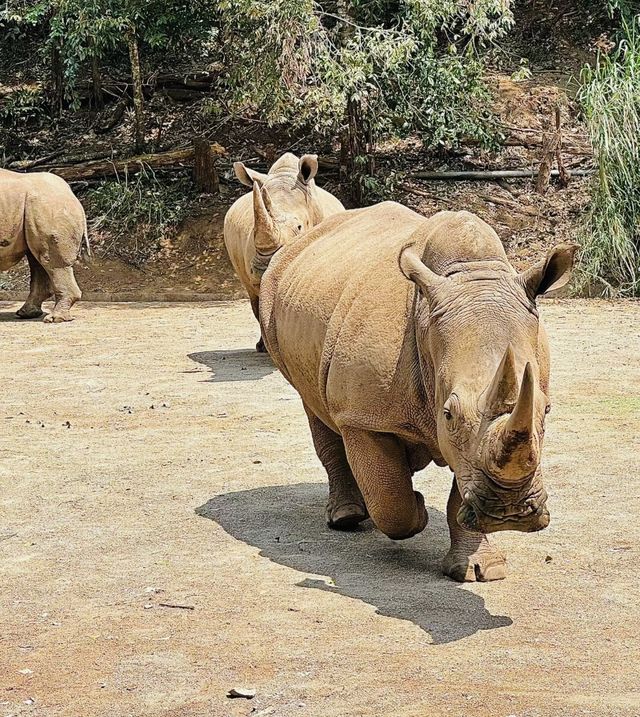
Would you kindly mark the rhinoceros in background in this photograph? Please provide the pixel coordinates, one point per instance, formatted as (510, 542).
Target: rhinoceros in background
(41, 218)
(452, 368)
(283, 204)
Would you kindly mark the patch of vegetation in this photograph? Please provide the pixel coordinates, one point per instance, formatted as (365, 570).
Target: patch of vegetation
(25, 107)
(137, 214)
(362, 71)
(610, 97)
(351, 72)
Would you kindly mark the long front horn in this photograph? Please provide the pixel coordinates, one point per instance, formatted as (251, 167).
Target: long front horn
(503, 391)
(514, 450)
(265, 235)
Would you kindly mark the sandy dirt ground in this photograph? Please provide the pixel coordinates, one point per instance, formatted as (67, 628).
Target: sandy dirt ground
(149, 456)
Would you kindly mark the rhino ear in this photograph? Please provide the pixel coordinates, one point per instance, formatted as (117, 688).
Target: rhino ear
(248, 176)
(551, 273)
(307, 167)
(415, 270)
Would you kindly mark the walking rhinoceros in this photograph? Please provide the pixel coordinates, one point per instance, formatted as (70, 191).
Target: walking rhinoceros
(283, 204)
(450, 367)
(41, 218)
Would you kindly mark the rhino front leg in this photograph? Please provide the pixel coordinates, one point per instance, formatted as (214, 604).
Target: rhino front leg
(66, 293)
(345, 508)
(379, 464)
(471, 556)
(39, 290)
(255, 307)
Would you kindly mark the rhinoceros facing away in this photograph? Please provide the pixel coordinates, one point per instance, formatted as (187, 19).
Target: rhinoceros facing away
(452, 368)
(283, 204)
(41, 218)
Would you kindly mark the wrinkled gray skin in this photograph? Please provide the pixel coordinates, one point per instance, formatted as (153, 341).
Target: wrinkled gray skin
(451, 367)
(282, 205)
(41, 218)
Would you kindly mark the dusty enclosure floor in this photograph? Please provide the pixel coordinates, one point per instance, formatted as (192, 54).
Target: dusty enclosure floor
(148, 456)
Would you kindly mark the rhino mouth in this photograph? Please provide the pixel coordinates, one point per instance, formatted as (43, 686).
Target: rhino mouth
(489, 508)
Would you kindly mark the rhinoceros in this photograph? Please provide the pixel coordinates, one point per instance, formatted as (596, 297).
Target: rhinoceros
(282, 205)
(41, 218)
(451, 366)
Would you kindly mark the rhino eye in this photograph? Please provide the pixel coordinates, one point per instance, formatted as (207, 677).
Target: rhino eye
(299, 227)
(449, 409)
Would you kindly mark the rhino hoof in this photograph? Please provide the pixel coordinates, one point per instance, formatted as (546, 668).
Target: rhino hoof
(260, 347)
(482, 566)
(58, 318)
(27, 312)
(346, 516)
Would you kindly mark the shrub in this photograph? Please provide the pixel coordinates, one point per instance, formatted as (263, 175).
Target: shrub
(23, 107)
(361, 70)
(610, 97)
(135, 214)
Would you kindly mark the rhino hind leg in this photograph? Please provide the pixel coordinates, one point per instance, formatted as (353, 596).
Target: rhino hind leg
(66, 292)
(471, 556)
(345, 507)
(39, 290)
(381, 469)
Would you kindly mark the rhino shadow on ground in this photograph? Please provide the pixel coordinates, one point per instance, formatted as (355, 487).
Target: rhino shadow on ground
(235, 365)
(401, 579)
(10, 316)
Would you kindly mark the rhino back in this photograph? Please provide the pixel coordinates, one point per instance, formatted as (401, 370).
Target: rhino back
(326, 204)
(336, 311)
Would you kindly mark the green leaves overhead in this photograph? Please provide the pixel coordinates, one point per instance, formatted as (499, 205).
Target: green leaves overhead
(412, 65)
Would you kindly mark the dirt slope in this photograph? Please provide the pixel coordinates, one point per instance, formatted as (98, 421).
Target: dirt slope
(149, 456)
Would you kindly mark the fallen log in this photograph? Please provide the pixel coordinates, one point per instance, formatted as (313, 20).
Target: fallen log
(190, 85)
(490, 175)
(106, 168)
(196, 80)
(24, 165)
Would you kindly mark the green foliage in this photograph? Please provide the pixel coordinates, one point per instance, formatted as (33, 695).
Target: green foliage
(523, 72)
(610, 96)
(23, 107)
(18, 18)
(81, 29)
(136, 213)
(411, 65)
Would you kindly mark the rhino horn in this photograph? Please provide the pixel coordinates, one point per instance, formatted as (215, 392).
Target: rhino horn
(265, 234)
(515, 450)
(503, 391)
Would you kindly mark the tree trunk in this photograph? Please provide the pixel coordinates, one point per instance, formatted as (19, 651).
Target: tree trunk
(360, 163)
(205, 175)
(138, 98)
(356, 140)
(57, 81)
(96, 84)
(552, 149)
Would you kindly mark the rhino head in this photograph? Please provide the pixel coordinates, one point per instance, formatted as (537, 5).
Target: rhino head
(483, 357)
(283, 203)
